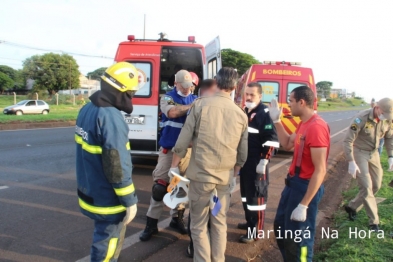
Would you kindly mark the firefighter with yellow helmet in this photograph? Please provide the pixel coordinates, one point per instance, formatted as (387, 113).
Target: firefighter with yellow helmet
(103, 163)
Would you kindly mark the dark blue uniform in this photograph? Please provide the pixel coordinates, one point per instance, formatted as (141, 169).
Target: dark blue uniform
(253, 186)
(103, 170)
(172, 126)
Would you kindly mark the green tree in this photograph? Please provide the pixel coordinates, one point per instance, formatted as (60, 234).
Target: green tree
(96, 74)
(240, 61)
(324, 88)
(9, 71)
(52, 72)
(15, 75)
(5, 82)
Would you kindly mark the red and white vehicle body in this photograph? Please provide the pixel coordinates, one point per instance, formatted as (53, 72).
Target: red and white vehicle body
(156, 61)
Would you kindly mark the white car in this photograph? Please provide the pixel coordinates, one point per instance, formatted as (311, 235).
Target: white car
(28, 107)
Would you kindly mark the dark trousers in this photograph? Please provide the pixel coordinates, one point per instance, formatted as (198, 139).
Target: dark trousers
(293, 239)
(254, 192)
(108, 240)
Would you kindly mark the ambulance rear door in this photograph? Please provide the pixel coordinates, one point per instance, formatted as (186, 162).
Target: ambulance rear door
(143, 121)
(213, 58)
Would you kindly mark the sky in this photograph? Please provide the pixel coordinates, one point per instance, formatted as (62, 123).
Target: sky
(349, 43)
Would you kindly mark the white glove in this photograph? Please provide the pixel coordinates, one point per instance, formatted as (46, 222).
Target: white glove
(352, 168)
(261, 167)
(130, 214)
(275, 111)
(175, 170)
(232, 185)
(390, 162)
(299, 213)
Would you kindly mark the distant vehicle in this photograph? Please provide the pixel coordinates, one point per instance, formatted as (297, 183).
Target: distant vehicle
(28, 107)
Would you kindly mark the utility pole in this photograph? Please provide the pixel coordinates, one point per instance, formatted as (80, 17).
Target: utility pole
(144, 26)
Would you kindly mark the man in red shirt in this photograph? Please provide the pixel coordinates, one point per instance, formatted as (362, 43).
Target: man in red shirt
(294, 224)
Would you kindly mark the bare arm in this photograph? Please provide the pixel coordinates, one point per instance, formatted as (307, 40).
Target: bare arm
(318, 157)
(287, 141)
(178, 111)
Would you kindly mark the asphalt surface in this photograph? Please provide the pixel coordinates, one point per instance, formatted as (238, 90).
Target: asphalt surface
(39, 213)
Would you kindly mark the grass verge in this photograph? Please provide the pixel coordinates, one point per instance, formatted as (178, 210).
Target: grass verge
(374, 248)
(57, 112)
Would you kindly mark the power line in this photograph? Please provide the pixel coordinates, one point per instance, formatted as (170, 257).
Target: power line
(51, 50)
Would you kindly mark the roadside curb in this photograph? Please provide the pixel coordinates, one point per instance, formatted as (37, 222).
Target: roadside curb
(37, 125)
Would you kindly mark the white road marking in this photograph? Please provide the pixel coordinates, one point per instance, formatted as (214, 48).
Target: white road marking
(13, 130)
(3, 187)
(133, 239)
(339, 132)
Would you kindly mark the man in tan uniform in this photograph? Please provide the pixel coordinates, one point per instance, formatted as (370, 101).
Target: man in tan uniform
(361, 150)
(174, 106)
(217, 128)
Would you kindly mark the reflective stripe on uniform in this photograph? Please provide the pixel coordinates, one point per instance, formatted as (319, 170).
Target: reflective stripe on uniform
(256, 208)
(93, 149)
(101, 210)
(244, 199)
(173, 124)
(89, 148)
(252, 130)
(303, 254)
(111, 249)
(125, 190)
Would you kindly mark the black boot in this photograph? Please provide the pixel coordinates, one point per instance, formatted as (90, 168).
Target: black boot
(151, 229)
(351, 213)
(178, 222)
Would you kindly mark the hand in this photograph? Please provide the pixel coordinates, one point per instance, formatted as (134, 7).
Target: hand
(130, 214)
(261, 167)
(175, 170)
(352, 168)
(390, 162)
(299, 213)
(275, 111)
(232, 185)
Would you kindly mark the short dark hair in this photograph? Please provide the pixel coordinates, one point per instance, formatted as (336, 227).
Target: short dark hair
(206, 84)
(227, 78)
(305, 93)
(257, 85)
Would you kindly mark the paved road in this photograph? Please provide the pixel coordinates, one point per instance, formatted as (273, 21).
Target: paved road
(40, 218)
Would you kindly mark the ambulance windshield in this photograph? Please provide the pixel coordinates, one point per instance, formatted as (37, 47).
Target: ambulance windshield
(292, 86)
(270, 90)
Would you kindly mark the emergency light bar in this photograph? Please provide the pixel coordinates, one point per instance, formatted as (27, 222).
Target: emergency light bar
(131, 38)
(191, 39)
(281, 63)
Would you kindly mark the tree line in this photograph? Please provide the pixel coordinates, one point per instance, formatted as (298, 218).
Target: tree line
(53, 72)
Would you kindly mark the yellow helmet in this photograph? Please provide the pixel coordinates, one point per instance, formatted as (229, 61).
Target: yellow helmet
(123, 76)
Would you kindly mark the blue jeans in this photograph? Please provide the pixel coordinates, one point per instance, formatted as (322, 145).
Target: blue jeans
(108, 240)
(293, 239)
(380, 148)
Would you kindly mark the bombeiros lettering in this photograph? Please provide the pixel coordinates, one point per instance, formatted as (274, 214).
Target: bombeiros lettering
(281, 72)
(82, 133)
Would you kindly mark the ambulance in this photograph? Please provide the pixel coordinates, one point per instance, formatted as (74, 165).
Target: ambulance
(156, 61)
(278, 79)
